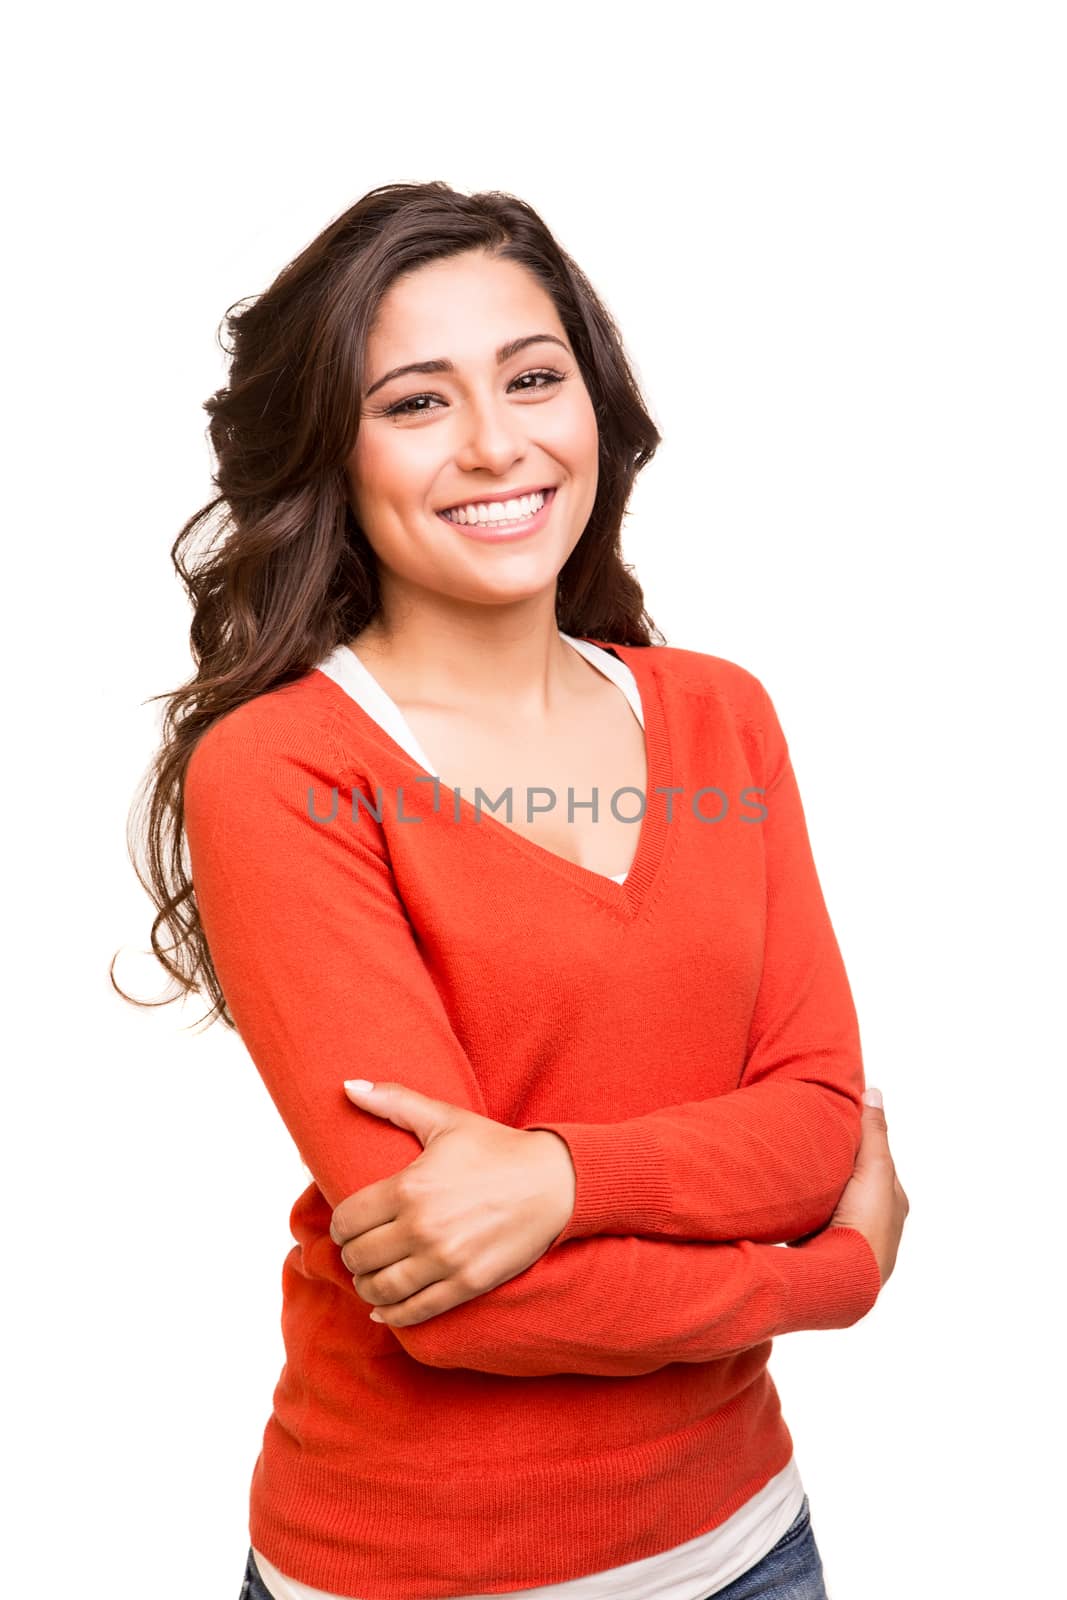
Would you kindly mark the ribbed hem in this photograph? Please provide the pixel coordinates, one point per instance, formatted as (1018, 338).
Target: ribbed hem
(421, 1538)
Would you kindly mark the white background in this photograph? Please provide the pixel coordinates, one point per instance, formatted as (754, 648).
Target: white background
(833, 237)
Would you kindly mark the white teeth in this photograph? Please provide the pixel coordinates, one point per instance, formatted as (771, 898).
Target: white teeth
(497, 510)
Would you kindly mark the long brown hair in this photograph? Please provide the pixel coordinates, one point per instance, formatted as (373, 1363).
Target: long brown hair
(286, 573)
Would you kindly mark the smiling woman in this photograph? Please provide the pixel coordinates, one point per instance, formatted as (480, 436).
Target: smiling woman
(602, 1099)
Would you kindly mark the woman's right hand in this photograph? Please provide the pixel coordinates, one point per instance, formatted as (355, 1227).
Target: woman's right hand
(873, 1200)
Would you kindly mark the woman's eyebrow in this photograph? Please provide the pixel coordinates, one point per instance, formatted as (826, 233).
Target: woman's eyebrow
(505, 353)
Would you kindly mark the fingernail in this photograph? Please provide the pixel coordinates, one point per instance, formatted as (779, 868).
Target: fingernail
(358, 1085)
(872, 1097)
(376, 1316)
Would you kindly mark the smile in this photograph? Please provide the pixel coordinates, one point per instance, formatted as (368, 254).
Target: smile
(501, 519)
(512, 509)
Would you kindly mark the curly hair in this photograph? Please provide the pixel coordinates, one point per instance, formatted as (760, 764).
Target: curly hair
(285, 573)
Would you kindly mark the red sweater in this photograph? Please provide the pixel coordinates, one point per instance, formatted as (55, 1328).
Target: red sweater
(689, 1033)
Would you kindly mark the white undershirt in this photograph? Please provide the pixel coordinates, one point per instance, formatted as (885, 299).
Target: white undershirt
(347, 670)
(702, 1565)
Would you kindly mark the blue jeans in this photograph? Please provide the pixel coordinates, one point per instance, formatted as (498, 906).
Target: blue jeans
(791, 1570)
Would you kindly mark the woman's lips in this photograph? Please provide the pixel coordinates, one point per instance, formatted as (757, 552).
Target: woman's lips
(493, 533)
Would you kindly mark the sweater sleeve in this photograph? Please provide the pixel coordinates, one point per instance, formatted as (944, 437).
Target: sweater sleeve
(769, 1160)
(618, 1308)
(323, 977)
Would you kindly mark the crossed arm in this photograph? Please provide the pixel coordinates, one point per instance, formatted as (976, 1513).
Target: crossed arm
(323, 977)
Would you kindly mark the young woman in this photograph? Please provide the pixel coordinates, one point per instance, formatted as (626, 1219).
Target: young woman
(459, 828)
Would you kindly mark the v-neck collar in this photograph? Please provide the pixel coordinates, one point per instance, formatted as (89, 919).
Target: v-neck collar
(626, 898)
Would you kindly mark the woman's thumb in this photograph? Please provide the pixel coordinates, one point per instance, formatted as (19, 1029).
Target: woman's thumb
(873, 1114)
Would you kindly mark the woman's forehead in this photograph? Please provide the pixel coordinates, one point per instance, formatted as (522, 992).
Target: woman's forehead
(468, 305)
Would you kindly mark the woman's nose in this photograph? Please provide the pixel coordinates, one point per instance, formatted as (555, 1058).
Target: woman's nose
(493, 436)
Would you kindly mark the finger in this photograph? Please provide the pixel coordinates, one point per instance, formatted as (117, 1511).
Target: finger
(399, 1281)
(372, 1251)
(421, 1307)
(370, 1207)
(408, 1108)
(873, 1112)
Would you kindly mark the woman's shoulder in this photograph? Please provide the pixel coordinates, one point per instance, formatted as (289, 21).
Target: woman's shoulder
(703, 673)
(712, 690)
(292, 722)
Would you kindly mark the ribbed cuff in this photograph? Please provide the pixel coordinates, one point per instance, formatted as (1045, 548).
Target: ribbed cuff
(831, 1281)
(622, 1185)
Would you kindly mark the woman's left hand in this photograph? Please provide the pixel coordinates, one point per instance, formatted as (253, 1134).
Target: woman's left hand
(481, 1204)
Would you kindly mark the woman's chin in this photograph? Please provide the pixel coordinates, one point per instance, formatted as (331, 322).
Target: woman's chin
(511, 593)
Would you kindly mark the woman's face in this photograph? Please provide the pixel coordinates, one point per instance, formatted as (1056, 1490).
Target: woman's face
(476, 432)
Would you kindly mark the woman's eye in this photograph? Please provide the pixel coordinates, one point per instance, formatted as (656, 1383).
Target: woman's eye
(411, 407)
(551, 378)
